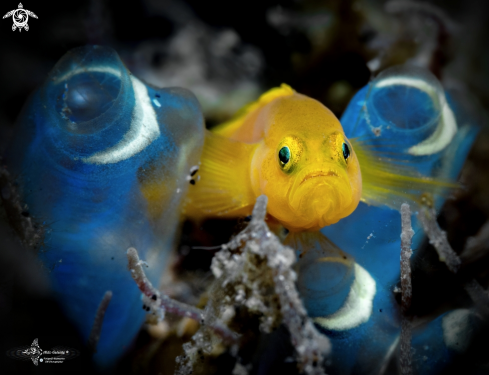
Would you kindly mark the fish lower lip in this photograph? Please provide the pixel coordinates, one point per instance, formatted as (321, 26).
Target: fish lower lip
(320, 174)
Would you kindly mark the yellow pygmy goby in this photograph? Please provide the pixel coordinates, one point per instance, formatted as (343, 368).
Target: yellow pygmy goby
(293, 149)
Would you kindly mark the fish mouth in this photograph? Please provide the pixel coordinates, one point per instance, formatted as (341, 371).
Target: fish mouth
(323, 175)
(330, 173)
(319, 195)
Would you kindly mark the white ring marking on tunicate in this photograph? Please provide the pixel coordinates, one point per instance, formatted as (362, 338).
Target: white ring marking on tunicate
(442, 136)
(456, 329)
(447, 124)
(91, 69)
(413, 82)
(157, 103)
(144, 129)
(357, 308)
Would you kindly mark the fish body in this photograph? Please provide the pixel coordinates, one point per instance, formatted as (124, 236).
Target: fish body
(294, 150)
(88, 142)
(289, 147)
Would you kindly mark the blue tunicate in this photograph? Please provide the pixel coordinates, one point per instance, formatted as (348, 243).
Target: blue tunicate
(86, 145)
(406, 113)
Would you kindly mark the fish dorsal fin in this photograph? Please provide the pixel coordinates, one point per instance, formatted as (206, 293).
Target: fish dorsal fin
(229, 128)
(389, 178)
(224, 187)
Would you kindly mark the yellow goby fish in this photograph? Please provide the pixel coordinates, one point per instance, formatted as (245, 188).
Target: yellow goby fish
(293, 149)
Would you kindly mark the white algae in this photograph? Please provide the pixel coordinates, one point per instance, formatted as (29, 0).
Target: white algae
(254, 271)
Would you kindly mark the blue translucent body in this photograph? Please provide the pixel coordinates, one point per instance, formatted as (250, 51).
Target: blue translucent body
(404, 110)
(87, 143)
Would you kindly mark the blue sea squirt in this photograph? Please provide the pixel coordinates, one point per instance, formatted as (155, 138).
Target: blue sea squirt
(87, 143)
(406, 114)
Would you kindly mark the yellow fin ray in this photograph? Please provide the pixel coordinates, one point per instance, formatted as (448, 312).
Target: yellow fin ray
(224, 187)
(388, 180)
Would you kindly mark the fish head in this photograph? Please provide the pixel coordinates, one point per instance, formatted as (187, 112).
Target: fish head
(306, 165)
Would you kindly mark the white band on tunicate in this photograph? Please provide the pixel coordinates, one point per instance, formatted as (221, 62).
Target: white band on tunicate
(447, 124)
(143, 130)
(442, 136)
(91, 69)
(357, 308)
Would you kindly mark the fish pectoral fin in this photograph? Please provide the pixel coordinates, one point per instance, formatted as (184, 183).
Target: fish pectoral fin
(390, 177)
(223, 186)
(315, 243)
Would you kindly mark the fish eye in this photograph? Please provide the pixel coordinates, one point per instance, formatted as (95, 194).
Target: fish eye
(346, 151)
(284, 155)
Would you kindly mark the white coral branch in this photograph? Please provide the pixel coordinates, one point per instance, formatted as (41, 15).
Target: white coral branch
(236, 264)
(405, 360)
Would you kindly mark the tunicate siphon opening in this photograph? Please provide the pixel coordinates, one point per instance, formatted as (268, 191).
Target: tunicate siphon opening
(87, 95)
(87, 90)
(405, 97)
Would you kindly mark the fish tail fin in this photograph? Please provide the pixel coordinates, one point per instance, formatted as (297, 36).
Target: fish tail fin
(222, 185)
(229, 127)
(389, 180)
